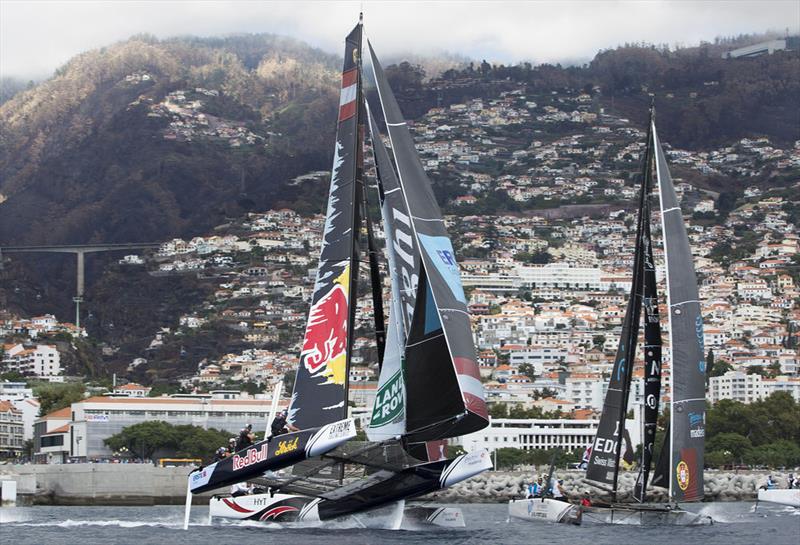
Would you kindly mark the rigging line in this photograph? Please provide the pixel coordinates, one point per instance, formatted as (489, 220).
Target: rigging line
(685, 302)
(409, 345)
(671, 209)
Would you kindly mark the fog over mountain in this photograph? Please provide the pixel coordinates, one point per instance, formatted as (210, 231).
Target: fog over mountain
(38, 37)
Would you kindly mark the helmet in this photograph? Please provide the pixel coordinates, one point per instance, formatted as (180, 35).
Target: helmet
(249, 426)
(232, 440)
(220, 450)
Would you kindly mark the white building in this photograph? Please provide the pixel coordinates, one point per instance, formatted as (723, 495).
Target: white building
(90, 421)
(11, 433)
(21, 397)
(740, 386)
(527, 434)
(41, 360)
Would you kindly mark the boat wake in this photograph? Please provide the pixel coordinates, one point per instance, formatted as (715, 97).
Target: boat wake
(71, 523)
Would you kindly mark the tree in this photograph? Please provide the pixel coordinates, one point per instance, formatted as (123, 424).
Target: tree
(144, 439)
(528, 370)
(719, 368)
(54, 396)
(733, 445)
(599, 341)
(498, 410)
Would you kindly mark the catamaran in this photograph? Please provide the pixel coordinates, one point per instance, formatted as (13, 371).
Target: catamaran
(680, 467)
(429, 386)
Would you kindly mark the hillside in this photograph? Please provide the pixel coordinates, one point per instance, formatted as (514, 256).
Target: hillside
(148, 140)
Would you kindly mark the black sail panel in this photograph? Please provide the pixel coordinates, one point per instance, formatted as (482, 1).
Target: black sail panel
(604, 460)
(467, 407)
(320, 389)
(686, 344)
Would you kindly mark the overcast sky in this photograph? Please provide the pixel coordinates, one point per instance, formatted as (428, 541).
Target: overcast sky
(38, 36)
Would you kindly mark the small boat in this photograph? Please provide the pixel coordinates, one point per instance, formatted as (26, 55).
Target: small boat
(781, 496)
(545, 510)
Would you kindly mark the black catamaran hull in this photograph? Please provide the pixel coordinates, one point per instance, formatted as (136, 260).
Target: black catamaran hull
(286, 508)
(377, 490)
(280, 452)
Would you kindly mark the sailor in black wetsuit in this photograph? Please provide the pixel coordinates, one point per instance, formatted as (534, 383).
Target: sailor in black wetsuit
(245, 438)
(280, 426)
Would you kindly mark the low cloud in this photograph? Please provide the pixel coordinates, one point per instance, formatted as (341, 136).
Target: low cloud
(38, 36)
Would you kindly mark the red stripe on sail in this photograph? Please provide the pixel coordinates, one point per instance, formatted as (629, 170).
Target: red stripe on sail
(346, 111)
(475, 405)
(467, 367)
(349, 77)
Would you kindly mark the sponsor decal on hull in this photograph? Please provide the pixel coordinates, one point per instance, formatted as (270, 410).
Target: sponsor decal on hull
(276, 512)
(325, 344)
(252, 456)
(285, 447)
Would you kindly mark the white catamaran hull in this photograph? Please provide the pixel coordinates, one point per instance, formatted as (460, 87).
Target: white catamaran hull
(285, 508)
(646, 515)
(790, 497)
(544, 510)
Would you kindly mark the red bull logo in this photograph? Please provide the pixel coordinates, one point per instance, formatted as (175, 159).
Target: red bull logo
(252, 456)
(325, 344)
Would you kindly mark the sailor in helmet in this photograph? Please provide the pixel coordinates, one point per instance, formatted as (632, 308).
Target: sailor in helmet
(280, 425)
(231, 446)
(220, 454)
(246, 437)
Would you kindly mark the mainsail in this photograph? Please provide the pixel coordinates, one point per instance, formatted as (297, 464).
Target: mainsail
(320, 389)
(606, 449)
(443, 389)
(687, 429)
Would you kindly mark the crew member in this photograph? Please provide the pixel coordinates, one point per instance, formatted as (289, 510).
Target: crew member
(220, 454)
(539, 488)
(246, 438)
(532, 489)
(557, 491)
(231, 446)
(586, 501)
(770, 483)
(280, 425)
(791, 480)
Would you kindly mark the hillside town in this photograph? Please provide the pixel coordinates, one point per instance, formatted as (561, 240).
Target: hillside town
(546, 282)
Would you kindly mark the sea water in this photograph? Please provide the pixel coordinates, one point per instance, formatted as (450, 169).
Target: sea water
(486, 524)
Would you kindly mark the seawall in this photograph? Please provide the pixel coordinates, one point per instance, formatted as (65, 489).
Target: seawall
(99, 484)
(501, 486)
(141, 484)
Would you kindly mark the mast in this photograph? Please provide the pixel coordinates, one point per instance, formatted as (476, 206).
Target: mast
(687, 400)
(321, 386)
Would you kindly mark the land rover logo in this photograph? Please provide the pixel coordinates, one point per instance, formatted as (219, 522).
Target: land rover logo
(388, 402)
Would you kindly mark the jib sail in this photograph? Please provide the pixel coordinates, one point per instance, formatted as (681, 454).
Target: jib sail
(389, 413)
(443, 389)
(320, 389)
(687, 407)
